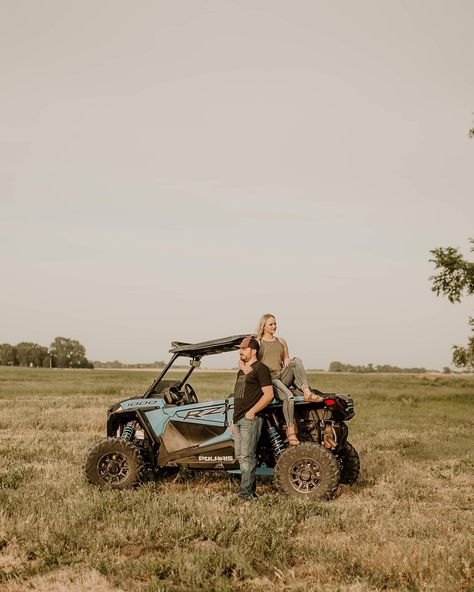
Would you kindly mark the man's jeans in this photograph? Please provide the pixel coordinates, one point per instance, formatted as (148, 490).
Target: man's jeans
(246, 435)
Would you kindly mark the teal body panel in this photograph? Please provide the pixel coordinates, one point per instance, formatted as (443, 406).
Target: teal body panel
(216, 413)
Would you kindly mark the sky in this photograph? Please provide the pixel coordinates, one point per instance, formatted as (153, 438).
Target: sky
(172, 170)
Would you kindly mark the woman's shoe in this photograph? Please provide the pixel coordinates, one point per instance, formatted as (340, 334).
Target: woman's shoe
(291, 437)
(313, 398)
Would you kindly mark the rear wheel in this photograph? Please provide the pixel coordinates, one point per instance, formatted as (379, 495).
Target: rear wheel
(307, 471)
(114, 463)
(350, 464)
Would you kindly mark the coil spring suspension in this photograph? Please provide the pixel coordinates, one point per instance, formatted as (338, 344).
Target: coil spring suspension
(276, 440)
(128, 431)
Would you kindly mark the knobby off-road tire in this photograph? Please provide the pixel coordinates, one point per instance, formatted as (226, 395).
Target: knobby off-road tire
(350, 464)
(307, 471)
(114, 463)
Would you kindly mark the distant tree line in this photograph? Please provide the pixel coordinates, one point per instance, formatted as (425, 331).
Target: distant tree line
(117, 364)
(62, 353)
(340, 367)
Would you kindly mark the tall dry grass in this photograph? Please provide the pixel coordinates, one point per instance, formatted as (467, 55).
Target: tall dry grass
(406, 525)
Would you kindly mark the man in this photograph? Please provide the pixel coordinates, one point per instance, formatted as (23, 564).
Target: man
(254, 394)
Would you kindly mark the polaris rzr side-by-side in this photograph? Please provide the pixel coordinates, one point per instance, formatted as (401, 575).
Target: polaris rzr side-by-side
(167, 426)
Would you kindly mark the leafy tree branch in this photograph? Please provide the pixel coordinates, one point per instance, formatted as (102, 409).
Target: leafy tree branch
(455, 279)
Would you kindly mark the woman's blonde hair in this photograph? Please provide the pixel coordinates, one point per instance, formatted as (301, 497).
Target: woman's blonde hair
(261, 325)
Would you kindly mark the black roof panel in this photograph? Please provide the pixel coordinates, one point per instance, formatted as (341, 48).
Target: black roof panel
(204, 348)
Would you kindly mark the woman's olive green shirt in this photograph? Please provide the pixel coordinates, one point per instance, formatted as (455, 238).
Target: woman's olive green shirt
(271, 354)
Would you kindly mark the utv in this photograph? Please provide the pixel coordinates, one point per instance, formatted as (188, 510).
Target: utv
(168, 427)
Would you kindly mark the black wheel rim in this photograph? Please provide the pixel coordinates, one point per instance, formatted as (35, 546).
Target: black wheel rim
(305, 475)
(113, 467)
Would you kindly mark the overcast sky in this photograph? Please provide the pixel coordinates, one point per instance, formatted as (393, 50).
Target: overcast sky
(174, 169)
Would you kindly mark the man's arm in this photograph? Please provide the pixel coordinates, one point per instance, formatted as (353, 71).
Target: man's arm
(246, 369)
(264, 400)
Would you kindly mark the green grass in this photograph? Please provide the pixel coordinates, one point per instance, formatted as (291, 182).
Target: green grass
(406, 525)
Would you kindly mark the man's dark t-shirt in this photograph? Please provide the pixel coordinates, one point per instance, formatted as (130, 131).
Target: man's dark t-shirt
(252, 391)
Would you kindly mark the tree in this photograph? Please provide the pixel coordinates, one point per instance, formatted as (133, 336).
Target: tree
(7, 354)
(455, 279)
(456, 273)
(463, 357)
(68, 353)
(31, 354)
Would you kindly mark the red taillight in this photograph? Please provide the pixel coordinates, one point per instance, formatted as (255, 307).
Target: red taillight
(329, 402)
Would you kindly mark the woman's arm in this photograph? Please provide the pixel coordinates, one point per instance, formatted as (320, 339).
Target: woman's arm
(286, 355)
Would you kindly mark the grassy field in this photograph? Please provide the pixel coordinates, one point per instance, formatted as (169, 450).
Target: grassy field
(406, 525)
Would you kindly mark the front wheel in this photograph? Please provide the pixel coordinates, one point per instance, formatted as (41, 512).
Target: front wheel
(115, 463)
(307, 471)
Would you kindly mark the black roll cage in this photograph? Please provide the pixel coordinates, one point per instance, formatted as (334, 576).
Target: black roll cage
(151, 389)
(194, 351)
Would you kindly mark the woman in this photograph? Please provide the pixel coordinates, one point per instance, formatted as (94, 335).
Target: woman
(274, 354)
